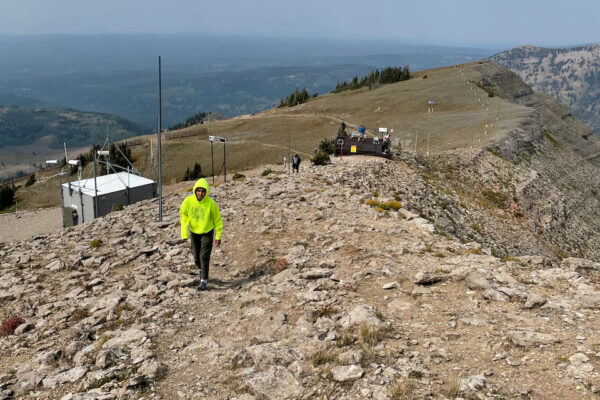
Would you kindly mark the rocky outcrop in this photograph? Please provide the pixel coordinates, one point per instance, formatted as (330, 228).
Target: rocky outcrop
(312, 294)
(569, 75)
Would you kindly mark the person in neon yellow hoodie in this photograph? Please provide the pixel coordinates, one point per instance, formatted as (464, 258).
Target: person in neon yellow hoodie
(201, 219)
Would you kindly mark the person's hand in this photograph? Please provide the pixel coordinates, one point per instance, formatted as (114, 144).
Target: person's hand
(217, 242)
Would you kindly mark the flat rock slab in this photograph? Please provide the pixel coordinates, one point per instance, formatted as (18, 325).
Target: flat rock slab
(347, 373)
(360, 314)
(531, 338)
(477, 281)
(125, 338)
(427, 278)
(70, 376)
(316, 273)
(274, 383)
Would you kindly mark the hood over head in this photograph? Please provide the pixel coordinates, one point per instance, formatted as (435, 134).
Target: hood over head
(201, 183)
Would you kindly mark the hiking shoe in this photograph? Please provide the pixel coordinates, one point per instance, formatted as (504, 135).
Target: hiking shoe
(202, 286)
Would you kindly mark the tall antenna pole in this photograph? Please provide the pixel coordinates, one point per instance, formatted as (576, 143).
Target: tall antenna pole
(159, 147)
(68, 168)
(289, 159)
(95, 182)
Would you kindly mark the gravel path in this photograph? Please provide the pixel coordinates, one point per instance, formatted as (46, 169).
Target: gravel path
(29, 223)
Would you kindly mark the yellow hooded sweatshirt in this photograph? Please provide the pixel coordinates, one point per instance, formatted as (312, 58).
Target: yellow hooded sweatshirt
(200, 216)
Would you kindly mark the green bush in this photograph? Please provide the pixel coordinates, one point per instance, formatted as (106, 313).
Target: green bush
(238, 177)
(194, 174)
(550, 137)
(320, 158)
(327, 145)
(266, 172)
(7, 196)
(31, 180)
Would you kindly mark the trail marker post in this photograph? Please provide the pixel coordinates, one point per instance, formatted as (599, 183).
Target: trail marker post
(224, 166)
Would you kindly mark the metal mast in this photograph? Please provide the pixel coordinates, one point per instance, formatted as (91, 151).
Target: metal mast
(159, 146)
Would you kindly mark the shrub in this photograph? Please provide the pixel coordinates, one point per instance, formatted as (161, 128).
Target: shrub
(327, 311)
(401, 389)
(345, 339)
(393, 204)
(10, 324)
(370, 336)
(239, 177)
(550, 137)
(321, 357)
(31, 180)
(496, 198)
(320, 158)
(95, 243)
(117, 207)
(266, 172)
(425, 76)
(7, 196)
(280, 265)
(327, 145)
(194, 174)
(372, 203)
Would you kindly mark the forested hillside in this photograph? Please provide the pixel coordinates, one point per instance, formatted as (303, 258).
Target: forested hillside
(22, 126)
(571, 75)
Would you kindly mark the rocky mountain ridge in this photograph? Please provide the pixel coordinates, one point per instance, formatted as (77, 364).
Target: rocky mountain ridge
(324, 287)
(533, 190)
(570, 75)
(467, 274)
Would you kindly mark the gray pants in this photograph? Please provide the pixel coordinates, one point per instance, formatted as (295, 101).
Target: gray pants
(201, 249)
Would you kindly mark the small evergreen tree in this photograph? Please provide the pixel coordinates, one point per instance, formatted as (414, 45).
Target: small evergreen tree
(375, 78)
(7, 196)
(31, 180)
(192, 175)
(327, 145)
(320, 158)
(296, 97)
(342, 130)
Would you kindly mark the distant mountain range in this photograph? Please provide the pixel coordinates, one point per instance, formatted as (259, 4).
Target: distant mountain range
(571, 75)
(117, 74)
(21, 126)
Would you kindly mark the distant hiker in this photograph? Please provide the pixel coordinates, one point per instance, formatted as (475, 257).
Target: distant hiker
(296, 163)
(363, 131)
(200, 217)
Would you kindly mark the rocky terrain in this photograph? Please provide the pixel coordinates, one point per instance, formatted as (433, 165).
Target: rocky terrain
(325, 286)
(570, 75)
(533, 190)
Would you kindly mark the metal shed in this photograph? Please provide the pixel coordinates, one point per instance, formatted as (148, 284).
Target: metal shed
(83, 201)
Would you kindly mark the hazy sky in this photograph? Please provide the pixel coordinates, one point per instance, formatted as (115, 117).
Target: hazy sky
(449, 22)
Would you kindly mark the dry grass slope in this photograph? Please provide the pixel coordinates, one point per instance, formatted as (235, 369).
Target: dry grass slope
(459, 120)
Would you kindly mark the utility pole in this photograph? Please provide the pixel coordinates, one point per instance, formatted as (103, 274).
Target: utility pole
(159, 145)
(212, 161)
(289, 151)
